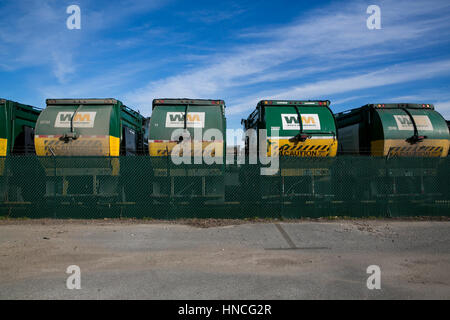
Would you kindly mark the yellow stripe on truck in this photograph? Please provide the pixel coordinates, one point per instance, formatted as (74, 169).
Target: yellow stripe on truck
(309, 148)
(401, 148)
(83, 146)
(3, 150)
(3, 147)
(114, 146)
(161, 149)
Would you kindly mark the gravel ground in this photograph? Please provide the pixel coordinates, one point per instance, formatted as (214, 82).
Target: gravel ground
(225, 259)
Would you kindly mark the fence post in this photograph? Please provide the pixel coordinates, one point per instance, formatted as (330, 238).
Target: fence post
(281, 191)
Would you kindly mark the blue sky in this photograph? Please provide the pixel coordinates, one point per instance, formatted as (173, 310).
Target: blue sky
(239, 51)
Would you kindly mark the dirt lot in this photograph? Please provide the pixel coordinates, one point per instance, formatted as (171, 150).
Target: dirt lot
(224, 259)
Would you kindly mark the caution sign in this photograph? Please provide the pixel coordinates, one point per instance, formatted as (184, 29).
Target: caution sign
(418, 151)
(401, 148)
(309, 148)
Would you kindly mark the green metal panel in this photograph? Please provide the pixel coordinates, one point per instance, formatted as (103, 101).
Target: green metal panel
(386, 124)
(194, 180)
(4, 116)
(175, 109)
(55, 120)
(314, 135)
(360, 128)
(269, 115)
(132, 119)
(273, 119)
(14, 117)
(110, 115)
(448, 125)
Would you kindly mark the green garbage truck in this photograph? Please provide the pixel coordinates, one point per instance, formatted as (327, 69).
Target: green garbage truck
(393, 129)
(303, 134)
(82, 143)
(16, 139)
(17, 128)
(414, 134)
(193, 129)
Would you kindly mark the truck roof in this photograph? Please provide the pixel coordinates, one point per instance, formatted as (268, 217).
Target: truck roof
(400, 105)
(94, 101)
(294, 102)
(382, 106)
(185, 101)
(81, 101)
(284, 103)
(21, 105)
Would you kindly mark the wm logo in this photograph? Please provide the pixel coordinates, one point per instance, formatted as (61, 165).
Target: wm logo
(80, 119)
(65, 117)
(193, 120)
(291, 119)
(176, 117)
(309, 121)
(422, 122)
(180, 117)
(405, 121)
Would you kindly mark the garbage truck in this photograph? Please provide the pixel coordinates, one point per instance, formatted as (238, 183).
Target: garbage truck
(303, 134)
(82, 143)
(16, 139)
(416, 135)
(17, 128)
(187, 144)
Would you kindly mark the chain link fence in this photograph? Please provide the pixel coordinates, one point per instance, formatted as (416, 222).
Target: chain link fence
(154, 187)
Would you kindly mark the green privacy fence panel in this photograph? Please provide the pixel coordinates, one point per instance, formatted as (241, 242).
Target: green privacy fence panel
(146, 187)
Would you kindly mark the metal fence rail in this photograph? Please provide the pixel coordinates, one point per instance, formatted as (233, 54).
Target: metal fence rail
(146, 187)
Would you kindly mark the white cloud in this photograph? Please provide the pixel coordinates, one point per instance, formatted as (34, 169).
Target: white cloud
(325, 51)
(381, 77)
(106, 85)
(321, 42)
(440, 99)
(213, 16)
(443, 107)
(348, 99)
(35, 34)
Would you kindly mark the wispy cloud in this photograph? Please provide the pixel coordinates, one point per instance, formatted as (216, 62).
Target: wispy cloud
(37, 33)
(440, 99)
(106, 84)
(317, 44)
(325, 52)
(382, 77)
(25, 40)
(213, 16)
(444, 108)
